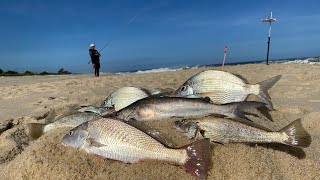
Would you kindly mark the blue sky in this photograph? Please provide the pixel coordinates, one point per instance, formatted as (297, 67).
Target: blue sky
(47, 35)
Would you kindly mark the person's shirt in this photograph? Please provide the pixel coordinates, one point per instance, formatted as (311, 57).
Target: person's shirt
(94, 54)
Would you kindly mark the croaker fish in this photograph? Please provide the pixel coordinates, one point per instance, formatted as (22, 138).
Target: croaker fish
(124, 96)
(37, 129)
(227, 130)
(117, 140)
(223, 87)
(154, 108)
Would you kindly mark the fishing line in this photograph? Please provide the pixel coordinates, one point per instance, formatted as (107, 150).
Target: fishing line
(131, 20)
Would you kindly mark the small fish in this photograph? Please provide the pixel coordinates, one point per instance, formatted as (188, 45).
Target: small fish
(37, 129)
(124, 96)
(155, 108)
(223, 87)
(228, 131)
(117, 140)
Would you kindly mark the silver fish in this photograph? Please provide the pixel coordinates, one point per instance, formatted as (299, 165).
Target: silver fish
(124, 96)
(154, 108)
(228, 131)
(223, 87)
(113, 139)
(37, 129)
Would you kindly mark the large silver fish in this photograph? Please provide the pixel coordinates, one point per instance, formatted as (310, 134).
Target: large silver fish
(223, 87)
(154, 108)
(227, 130)
(117, 140)
(37, 129)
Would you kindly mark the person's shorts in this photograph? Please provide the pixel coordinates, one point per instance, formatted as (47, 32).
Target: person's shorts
(96, 65)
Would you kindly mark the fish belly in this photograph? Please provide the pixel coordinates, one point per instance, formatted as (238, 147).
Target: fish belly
(131, 154)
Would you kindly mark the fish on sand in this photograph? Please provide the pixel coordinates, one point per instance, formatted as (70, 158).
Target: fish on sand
(228, 131)
(224, 87)
(123, 97)
(154, 108)
(117, 140)
(73, 120)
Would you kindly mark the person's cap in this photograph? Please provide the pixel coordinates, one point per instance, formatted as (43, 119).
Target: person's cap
(92, 45)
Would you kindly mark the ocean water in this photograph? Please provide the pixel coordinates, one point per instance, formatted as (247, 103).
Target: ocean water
(307, 60)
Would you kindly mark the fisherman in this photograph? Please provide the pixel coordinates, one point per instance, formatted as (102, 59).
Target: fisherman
(94, 54)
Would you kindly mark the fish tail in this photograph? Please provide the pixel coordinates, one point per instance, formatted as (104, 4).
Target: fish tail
(240, 106)
(50, 117)
(198, 158)
(297, 135)
(264, 87)
(35, 130)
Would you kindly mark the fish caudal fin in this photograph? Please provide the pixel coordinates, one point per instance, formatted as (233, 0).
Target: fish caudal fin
(240, 106)
(198, 158)
(264, 87)
(35, 130)
(298, 136)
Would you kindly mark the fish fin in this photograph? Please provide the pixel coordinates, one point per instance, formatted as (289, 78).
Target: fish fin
(193, 96)
(298, 136)
(153, 133)
(242, 78)
(264, 87)
(90, 109)
(35, 130)
(94, 143)
(198, 158)
(240, 106)
(51, 116)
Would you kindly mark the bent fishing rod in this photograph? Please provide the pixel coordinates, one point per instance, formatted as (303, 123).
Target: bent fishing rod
(107, 43)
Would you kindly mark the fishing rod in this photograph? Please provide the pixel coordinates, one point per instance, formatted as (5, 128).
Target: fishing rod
(142, 11)
(129, 22)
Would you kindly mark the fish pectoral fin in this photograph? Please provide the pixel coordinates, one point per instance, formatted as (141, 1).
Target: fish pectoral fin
(198, 136)
(153, 133)
(207, 94)
(94, 143)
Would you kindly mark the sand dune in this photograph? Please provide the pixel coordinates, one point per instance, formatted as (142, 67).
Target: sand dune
(29, 99)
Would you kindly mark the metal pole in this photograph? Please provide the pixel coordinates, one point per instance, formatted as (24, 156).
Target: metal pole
(225, 54)
(267, 63)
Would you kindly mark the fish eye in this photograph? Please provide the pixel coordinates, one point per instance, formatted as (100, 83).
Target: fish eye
(183, 88)
(70, 133)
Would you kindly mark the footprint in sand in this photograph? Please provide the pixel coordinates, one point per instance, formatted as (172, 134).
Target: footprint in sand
(292, 110)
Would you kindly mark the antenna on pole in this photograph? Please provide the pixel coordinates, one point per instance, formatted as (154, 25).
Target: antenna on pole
(225, 55)
(269, 20)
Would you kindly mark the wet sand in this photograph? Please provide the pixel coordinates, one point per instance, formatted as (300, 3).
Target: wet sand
(29, 99)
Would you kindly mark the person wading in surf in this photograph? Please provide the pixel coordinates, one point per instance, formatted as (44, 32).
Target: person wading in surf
(95, 59)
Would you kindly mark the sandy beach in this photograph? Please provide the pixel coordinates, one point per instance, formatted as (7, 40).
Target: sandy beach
(30, 98)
